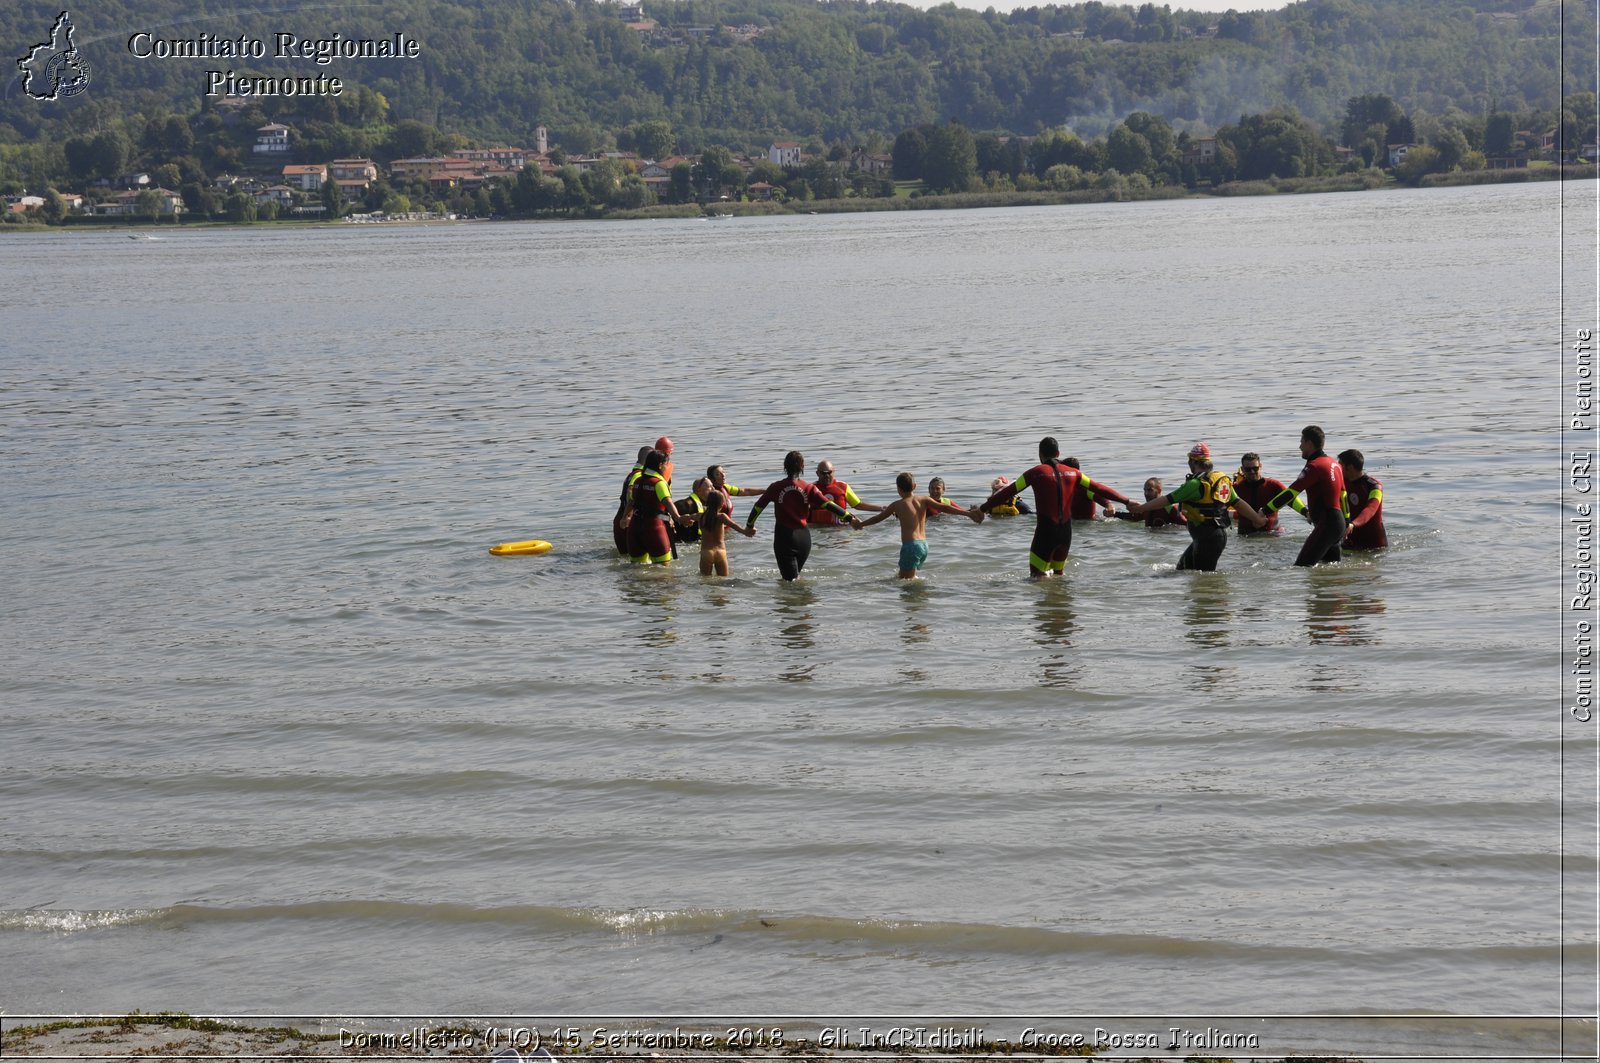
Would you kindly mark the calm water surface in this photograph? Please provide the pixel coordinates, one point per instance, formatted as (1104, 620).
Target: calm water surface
(282, 737)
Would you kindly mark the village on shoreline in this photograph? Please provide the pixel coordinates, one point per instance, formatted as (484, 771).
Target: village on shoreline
(952, 168)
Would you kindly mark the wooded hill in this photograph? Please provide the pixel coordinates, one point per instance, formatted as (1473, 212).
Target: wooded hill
(744, 72)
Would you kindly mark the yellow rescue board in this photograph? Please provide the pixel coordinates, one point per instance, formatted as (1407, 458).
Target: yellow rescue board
(527, 546)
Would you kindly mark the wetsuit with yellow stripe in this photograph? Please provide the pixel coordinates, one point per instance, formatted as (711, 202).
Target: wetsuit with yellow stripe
(689, 507)
(1204, 499)
(1323, 482)
(649, 541)
(840, 494)
(1258, 493)
(619, 534)
(791, 539)
(1364, 500)
(1053, 484)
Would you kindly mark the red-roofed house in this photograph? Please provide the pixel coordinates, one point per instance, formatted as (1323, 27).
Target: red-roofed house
(306, 178)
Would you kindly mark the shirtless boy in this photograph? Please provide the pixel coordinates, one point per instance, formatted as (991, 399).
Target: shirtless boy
(714, 523)
(913, 510)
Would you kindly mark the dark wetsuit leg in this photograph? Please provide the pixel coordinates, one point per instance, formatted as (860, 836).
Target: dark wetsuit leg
(1323, 542)
(1052, 542)
(619, 535)
(1205, 548)
(791, 546)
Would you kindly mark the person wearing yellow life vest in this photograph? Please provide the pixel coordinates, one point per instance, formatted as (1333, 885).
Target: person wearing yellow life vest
(1014, 508)
(619, 530)
(649, 504)
(1205, 499)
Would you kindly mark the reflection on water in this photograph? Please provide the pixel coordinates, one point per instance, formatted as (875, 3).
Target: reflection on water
(650, 595)
(1056, 621)
(1340, 603)
(1208, 623)
(914, 594)
(797, 628)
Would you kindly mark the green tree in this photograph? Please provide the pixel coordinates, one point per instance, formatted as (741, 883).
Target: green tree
(632, 193)
(240, 208)
(652, 140)
(176, 137)
(1497, 134)
(681, 188)
(1418, 163)
(1277, 144)
(199, 199)
(1362, 112)
(1127, 151)
(602, 181)
(55, 208)
(412, 139)
(951, 160)
(1063, 177)
(109, 152)
(909, 149)
(332, 200)
(716, 170)
(149, 203)
(1452, 147)
(826, 179)
(574, 195)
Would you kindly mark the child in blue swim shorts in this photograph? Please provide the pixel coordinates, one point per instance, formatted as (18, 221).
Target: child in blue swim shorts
(912, 509)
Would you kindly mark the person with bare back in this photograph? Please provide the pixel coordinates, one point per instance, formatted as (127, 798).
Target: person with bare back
(913, 510)
(714, 524)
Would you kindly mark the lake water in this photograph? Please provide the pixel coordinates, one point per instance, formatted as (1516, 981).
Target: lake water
(282, 738)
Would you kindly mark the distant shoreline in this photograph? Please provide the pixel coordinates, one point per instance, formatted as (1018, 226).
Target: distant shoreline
(1356, 182)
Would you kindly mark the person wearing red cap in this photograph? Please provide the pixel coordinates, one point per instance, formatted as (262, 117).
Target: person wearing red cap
(665, 446)
(1054, 483)
(1323, 482)
(1204, 499)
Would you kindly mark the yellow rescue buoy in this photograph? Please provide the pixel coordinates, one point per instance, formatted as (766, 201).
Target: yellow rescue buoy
(527, 546)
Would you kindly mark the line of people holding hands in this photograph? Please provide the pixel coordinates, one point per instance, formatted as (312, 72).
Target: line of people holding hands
(1343, 504)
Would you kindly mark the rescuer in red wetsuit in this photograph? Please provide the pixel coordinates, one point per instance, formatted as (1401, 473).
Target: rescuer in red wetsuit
(1054, 483)
(839, 493)
(1363, 496)
(1258, 489)
(619, 530)
(795, 499)
(1085, 505)
(1323, 482)
(649, 504)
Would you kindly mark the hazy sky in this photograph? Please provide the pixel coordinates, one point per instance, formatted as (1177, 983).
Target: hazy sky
(1186, 5)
